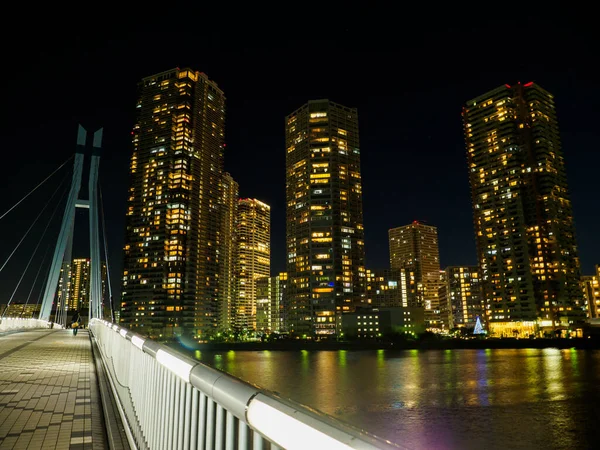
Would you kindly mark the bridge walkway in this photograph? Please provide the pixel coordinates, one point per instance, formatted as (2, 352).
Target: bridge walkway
(49, 396)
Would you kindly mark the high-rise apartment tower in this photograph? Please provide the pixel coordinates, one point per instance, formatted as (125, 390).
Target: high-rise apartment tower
(522, 210)
(463, 296)
(74, 285)
(415, 247)
(325, 234)
(173, 223)
(228, 256)
(253, 257)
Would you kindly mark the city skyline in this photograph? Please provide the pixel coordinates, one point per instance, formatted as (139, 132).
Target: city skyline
(350, 225)
(433, 186)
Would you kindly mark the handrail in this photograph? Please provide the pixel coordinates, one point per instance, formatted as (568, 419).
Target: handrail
(170, 401)
(20, 323)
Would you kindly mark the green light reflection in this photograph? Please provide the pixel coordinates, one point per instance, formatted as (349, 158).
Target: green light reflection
(447, 355)
(380, 358)
(575, 361)
(342, 358)
(304, 360)
(218, 362)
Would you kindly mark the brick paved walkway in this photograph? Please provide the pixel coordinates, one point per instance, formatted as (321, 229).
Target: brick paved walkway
(48, 392)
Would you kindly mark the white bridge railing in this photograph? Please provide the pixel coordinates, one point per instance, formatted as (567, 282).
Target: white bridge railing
(171, 402)
(18, 323)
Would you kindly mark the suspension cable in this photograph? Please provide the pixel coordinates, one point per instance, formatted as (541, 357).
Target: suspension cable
(110, 297)
(38, 244)
(35, 280)
(30, 227)
(31, 192)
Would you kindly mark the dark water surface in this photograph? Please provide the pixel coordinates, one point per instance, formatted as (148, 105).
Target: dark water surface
(440, 399)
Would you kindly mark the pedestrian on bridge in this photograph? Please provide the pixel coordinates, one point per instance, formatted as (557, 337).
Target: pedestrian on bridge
(76, 322)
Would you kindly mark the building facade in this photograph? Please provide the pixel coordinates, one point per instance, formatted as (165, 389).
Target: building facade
(370, 323)
(270, 315)
(445, 307)
(523, 218)
(389, 288)
(253, 257)
(464, 299)
(228, 253)
(24, 310)
(590, 285)
(415, 247)
(430, 288)
(279, 303)
(264, 312)
(324, 231)
(173, 223)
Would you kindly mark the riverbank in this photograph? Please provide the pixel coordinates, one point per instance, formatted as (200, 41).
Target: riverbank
(433, 344)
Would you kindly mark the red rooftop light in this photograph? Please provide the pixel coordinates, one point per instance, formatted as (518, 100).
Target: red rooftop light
(528, 84)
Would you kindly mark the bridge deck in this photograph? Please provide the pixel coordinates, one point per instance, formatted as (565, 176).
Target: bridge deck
(48, 392)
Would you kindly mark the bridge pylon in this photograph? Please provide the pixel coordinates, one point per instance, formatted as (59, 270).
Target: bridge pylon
(62, 251)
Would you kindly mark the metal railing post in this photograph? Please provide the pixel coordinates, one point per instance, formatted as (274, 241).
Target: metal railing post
(186, 415)
(219, 428)
(194, 420)
(210, 424)
(202, 422)
(229, 431)
(242, 436)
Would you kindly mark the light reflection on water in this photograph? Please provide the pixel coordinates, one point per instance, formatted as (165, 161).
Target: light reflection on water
(440, 399)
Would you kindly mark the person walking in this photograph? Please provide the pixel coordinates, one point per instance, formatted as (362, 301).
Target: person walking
(76, 322)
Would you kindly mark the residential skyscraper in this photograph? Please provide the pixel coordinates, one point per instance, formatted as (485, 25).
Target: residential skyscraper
(227, 277)
(463, 295)
(173, 224)
(253, 257)
(415, 247)
(74, 286)
(324, 233)
(522, 211)
(76, 293)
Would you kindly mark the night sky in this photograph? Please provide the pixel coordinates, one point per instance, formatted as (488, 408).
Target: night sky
(408, 74)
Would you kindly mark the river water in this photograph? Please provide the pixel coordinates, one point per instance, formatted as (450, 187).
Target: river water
(440, 399)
